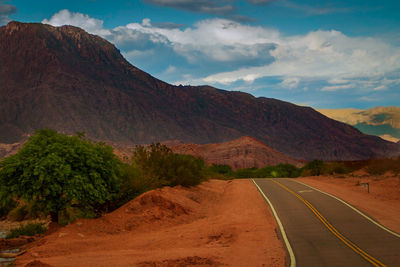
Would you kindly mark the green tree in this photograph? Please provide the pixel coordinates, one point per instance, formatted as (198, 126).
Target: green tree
(55, 171)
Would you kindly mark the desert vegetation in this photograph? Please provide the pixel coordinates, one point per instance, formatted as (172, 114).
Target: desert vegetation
(311, 168)
(29, 229)
(68, 177)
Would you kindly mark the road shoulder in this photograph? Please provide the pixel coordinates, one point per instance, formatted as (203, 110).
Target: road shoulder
(382, 203)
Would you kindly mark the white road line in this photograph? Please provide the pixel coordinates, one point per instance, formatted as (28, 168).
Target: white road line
(289, 248)
(353, 208)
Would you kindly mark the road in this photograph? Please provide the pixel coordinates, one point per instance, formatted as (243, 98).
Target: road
(322, 231)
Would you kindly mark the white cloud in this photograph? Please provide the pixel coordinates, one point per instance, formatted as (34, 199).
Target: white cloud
(291, 82)
(336, 87)
(65, 17)
(218, 40)
(170, 69)
(381, 87)
(5, 12)
(251, 53)
(323, 55)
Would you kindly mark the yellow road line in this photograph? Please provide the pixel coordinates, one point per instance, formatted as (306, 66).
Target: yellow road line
(353, 208)
(331, 228)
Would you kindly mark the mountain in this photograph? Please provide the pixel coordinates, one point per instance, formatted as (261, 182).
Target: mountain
(9, 149)
(69, 80)
(245, 152)
(381, 121)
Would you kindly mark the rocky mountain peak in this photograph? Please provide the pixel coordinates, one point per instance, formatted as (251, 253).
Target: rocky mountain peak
(66, 79)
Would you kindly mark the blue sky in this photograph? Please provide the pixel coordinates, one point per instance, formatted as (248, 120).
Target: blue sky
(325, 54)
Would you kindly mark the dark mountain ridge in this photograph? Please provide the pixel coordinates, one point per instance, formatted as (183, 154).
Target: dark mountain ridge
(72, 81)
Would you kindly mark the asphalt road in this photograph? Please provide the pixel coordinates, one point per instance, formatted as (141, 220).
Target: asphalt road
(325, 232)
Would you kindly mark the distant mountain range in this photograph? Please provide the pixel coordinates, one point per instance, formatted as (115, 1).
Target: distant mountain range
(66, 79)
(380, 121)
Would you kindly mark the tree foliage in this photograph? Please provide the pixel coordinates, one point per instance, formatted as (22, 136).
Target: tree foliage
(314, 167)
(163, 167)
(55, 171)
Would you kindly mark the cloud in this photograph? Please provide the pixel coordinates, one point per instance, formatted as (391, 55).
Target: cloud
(291, 82)
(5, 11)
(214, 7)
(227, 53)
(305, 9)
(381, 87)
(259, 2)
(312, 10)
(336, 87)
(65, 17)
(324, 55)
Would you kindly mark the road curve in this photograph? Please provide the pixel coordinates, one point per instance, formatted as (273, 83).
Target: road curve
(323, 231)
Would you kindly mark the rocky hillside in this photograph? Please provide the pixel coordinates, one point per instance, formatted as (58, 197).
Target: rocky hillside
(9, 149)
(381, 121)
(245, 152)
(69, 80)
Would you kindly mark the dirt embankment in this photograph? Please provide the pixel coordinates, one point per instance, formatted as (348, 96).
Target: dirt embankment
(217, 223)
(381, 203)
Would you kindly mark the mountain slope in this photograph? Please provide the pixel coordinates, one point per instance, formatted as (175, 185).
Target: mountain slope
(245, 152)
(69, 80)
(380, 121)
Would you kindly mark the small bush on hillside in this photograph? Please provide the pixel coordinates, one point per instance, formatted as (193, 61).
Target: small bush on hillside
(29, 229)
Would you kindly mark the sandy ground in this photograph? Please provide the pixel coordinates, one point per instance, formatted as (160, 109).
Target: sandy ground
(382, 203)
(217, 223)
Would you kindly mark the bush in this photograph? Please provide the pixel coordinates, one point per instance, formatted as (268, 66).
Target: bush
(335, 168)
(18, 214)
(278, 171)
(220, 169)
(7, 205)
(156, 166)
(29, 229)
(245, 173)
(314, 168)
(54, 171)
(380, 166)
(184, 170)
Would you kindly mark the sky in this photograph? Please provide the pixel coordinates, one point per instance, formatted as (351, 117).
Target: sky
(324, 54)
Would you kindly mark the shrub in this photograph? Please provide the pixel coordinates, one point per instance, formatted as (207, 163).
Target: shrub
(314, 168)
(55, 171)
(7, 205)
(18, 214)
(156, 165)
(29, 229)
(246, 173)
(335, 168)
(278, 171)
(380, 166)
(220, 169)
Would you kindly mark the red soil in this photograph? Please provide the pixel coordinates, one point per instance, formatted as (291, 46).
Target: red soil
(216, 223)
(382, 203)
